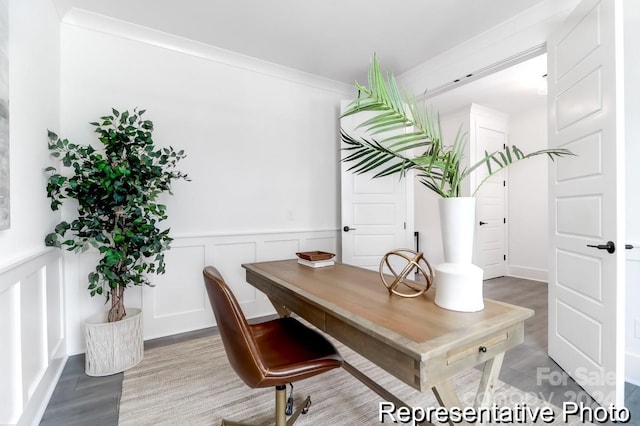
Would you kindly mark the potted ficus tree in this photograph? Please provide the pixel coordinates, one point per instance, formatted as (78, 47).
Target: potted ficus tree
(401, 135)
(116, 190)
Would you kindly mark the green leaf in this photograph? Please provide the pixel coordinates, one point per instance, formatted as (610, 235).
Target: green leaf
(114, 190)
(51, 240)
(402, 126)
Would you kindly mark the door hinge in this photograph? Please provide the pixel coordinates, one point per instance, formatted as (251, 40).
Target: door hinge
(504, 183)
(405, 225)
(504, 257)
(504, 220)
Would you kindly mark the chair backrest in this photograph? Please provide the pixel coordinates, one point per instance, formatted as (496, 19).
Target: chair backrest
(238, 340)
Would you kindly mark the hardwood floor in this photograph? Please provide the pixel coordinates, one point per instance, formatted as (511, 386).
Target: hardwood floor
(80, 400)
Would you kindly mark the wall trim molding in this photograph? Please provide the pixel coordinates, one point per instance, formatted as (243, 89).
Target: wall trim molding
(37, 404)
(249, 233)
(111, 26)
(533, 274)
(166, 314)
(31, 296)
(632, 371)
(11, 273)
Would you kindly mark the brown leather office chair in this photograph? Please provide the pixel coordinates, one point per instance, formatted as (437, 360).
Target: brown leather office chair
(271, 353)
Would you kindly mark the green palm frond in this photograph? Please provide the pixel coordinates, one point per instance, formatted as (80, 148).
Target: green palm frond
(393, 111)
(369, 155)
(499, 160)
(399, 125)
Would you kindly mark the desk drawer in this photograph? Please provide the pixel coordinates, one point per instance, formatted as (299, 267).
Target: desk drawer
(467, 355)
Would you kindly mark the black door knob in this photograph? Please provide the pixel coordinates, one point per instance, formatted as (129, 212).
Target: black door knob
(347, 229)
(482, 223)
(610, 247)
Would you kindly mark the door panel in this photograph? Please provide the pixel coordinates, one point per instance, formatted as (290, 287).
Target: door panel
(580, 273)
(377, 211)
(586, 285)
(490, 134)
(589, 149)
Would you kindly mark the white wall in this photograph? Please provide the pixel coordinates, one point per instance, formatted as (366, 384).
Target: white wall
(527, 196)
(262, 145)
(632, 134)
(34, 77)
(254, 134)
(32, 334)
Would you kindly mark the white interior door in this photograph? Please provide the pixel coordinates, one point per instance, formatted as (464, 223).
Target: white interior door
(489, 134)
(586, 284)
(376, 214)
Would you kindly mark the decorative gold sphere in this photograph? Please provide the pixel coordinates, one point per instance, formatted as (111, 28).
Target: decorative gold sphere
(414, 260)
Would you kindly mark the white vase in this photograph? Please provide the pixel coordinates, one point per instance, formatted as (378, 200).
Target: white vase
(113, 347)
(458, 282)
(457, 222)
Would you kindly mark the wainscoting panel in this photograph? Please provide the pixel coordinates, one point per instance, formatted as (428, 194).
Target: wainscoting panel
(228, 256)
(34, 350)
(33, 331)
(179, 303)
(55, 307)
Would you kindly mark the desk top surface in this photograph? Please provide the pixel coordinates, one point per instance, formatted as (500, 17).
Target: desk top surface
(357, 295)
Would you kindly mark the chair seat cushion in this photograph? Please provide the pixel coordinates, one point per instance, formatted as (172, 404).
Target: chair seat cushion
(291, 351)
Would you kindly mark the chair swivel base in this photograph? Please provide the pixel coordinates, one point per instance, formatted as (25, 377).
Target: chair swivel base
(281, 419)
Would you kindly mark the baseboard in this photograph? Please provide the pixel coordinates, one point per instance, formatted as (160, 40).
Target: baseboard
(632, 368)
(528, 273)
(35, 408)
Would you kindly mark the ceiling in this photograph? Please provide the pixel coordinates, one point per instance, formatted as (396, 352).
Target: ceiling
(330, 38)
(512, 90)
(335, 39)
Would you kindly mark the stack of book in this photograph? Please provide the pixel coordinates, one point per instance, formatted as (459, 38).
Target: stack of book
(315, 259)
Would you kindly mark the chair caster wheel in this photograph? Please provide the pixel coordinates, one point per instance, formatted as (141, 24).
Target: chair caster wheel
(305, 410)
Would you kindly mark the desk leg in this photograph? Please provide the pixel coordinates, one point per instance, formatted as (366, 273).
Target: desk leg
(488, 381)
(283, 311)
(371, 384)
(446, 396)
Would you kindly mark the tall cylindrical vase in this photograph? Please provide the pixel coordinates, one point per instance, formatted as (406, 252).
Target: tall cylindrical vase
(458, 282)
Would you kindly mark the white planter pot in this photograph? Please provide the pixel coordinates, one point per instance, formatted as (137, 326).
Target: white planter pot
(458, 282)
(457, 222)
(113, 347)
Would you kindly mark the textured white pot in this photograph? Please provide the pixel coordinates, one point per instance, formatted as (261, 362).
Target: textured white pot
(458, 282)
(113, 347)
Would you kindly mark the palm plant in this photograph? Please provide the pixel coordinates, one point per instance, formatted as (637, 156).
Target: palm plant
(386, 151)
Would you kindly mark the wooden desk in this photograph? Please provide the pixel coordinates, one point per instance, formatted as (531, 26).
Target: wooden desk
(411, 338)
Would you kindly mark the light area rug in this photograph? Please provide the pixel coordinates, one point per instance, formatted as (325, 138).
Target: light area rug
(192, 383)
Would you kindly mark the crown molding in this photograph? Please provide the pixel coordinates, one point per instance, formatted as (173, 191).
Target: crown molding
(81, 18)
